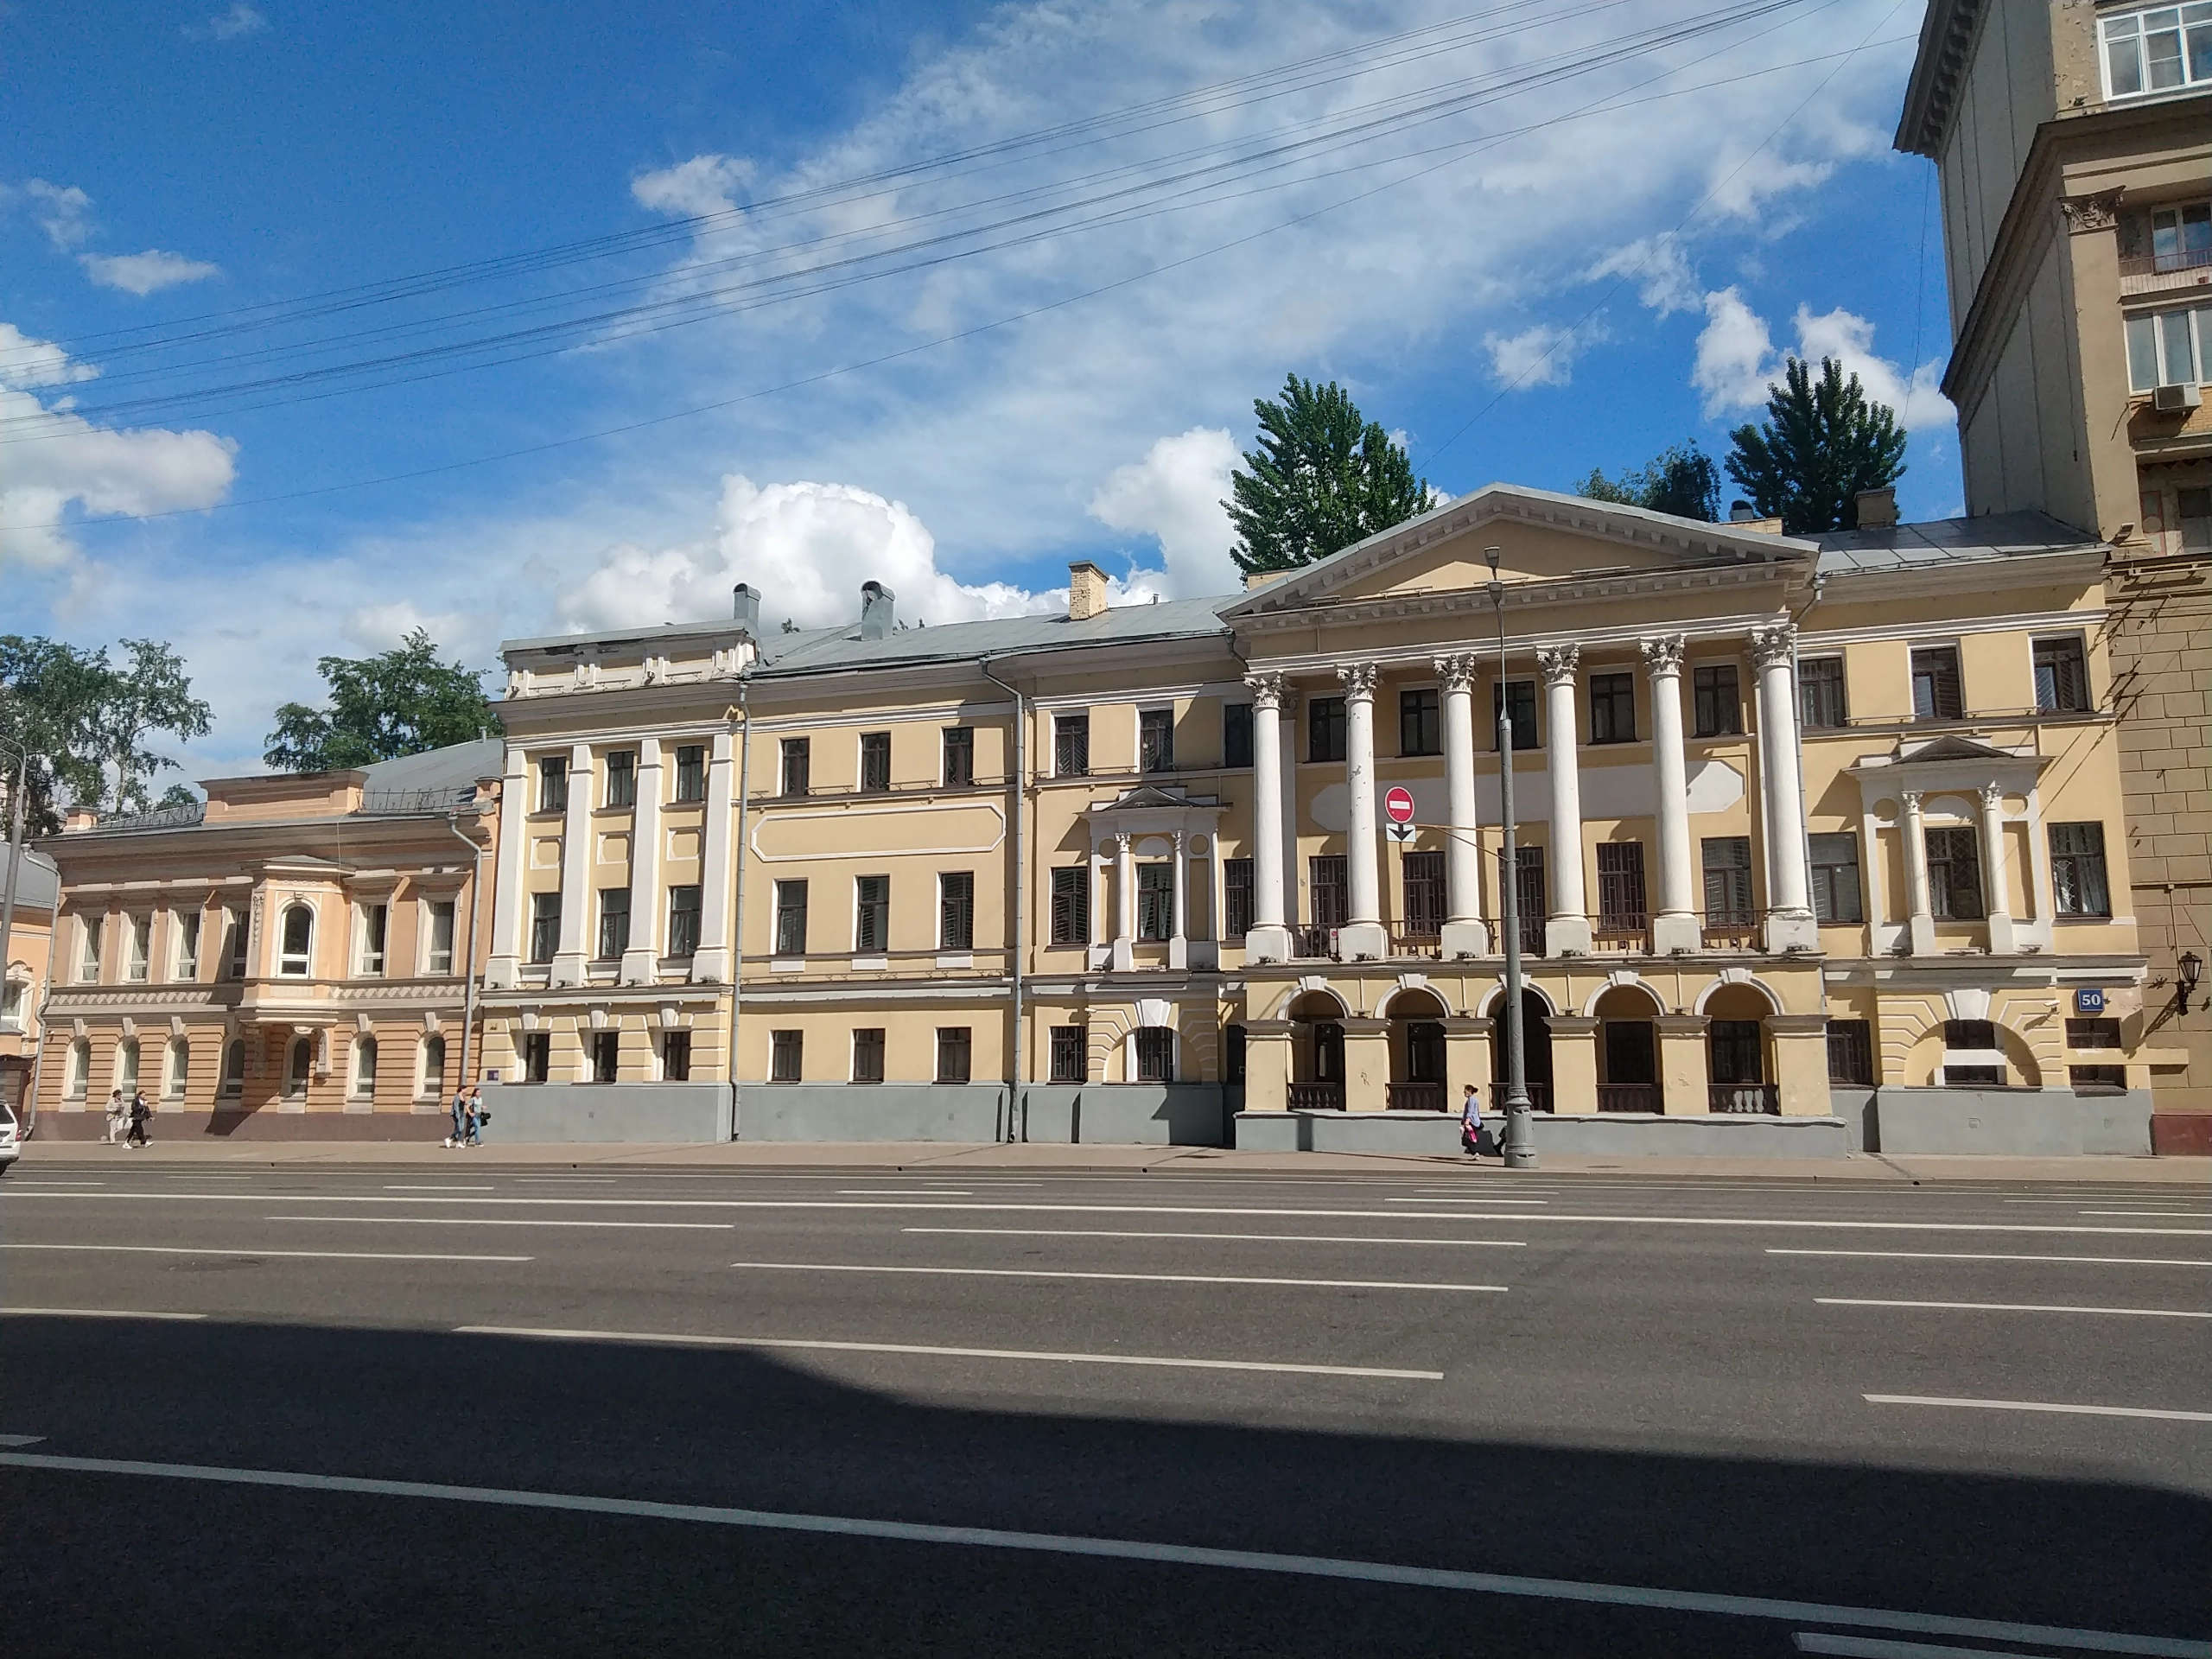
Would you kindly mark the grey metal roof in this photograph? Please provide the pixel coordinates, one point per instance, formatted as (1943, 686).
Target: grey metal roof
(1943, 542)
(456, 767)
(38, 883)
(815, 651)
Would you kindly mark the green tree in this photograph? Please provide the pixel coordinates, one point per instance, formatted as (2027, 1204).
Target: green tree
(1680, 480)
(399, 702)
(1322, 477)
(47, 693)
(151, 694)
(1820, 445)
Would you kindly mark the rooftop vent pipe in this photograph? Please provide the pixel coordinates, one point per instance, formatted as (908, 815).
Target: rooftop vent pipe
(876, 601)
(745, 607)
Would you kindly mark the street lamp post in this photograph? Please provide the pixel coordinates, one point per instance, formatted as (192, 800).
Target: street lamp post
(1520, 1149)
(15, 865)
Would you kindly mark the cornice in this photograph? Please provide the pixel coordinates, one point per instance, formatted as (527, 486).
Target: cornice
(1947, 33)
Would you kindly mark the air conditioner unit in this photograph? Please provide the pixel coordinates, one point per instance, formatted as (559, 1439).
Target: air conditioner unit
(2172, 400)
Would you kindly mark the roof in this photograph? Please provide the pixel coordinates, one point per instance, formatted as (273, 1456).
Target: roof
(38, 883)
(814, 651)
(1946, 542)
(455, 767)
(1946, 34)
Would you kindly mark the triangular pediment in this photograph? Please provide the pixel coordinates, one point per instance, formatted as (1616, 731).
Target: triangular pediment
(1145, 794)
(1951, 746)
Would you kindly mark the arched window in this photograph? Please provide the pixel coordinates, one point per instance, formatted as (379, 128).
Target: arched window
(298, 1068)
(80, 1069)
(295, 955)
(179, 1068)
(433, 1084)
(234, 1068)
(365, 1067)
(126, 1064)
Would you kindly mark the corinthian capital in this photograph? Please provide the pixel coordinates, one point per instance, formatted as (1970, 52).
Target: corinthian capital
(1662, 654)
(2085, 214)
(1358, 681)
(1774, 647)
(1266, 689)
(1558, 663)
(1458, 672)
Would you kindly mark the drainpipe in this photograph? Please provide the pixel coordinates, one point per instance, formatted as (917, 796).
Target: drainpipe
(475, 910)
(14, 870)
(741, 719)
(1015, 787)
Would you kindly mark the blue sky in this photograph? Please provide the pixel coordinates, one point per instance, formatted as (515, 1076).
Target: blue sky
(1601, 246)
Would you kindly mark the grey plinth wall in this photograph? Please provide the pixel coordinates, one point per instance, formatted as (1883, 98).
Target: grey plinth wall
(1125, 1114)
(606, 1111)
(1612, 1134)
(871, 1111)
(2025, 1122)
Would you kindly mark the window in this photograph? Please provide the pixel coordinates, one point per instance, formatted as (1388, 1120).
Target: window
(1420, 723)
(2168, 348)
(299, 1066)
(2193, 507)
(375, 922)
(2180, 237)
(233, 1083)
(2157, 51)
(1072, 905)
(954, 1054)
(871, 913)
(1736, 1053)
(13, 993)
(536, 1055)
(787, 1057)
(437, 958)
(1630, 1054)
(296, 942)
(1612, 708)
(432, 1084)
(1422, 877)
(1070, 746)
(791, 918)
(88, 947)
(868, 1054)
(187, 944)
(1068, 1060)
(1835, 878)
(959, 754)
(1935, 694)
(1974, 1077)
(126, 1064)
(137, 937)
(1954, 875)
(691, 773)
(2077, 869)
(1236, 895)
(875, 762)
(2097, 1079)
(1325, 728)
(683, 921)
(956, 910)
(1156, 900)
(676, 1056)
(553, 783)
(1236, 734)
(2062, 676)
(1728, 889)
(80, 1068)
(622, 778)
(1717, 706)
(1620, 887)
(364, 1068)
(1519, 695)
(1851, 1053)
(1978, 1035)
(178, 1072)
(606, 1056)
(1819, 682)
(544, 925)
(1156, 740)
(2093, 1033)
(1329, 882)
(1155, 1055)
(1531, 903)
(797, 766)
(613, 922)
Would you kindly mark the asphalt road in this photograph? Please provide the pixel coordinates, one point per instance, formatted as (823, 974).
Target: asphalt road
(407, 1410)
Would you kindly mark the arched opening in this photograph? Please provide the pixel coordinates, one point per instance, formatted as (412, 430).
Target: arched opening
(1416, 1052)
(1317, 1053)
(432, 1086)
(79, 1078)
(298, 1066)
(296, 952)
(1739, 1070)
(234, 1068)
(364, 1068)
(1628, 1050)
(179, 1068)
(1535, 1049)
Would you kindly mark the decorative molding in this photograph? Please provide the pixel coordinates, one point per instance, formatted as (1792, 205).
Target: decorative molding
(1774, 647)
(1557, 663)
(1358, 679)
(2086, 215)
(1458, 671)
(1663, 654)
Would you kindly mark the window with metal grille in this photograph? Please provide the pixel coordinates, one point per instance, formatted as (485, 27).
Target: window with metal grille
(1728, 888)
(954, 1052)
(606, 1056)
(1612, 708)
(1068, 1060)
(1155, 901)
(1520, 697)
(1621, 908)
(1424, 1052)
(1737, 1052)
(1835, 878)
(1325, 728)
(691, 773)
(536, 1055)
(1155, 1055)
(868, 1054)
(544, 925)
(1531, 898)
(1236, 734)
(956, 910)
(2077, 869)
(1328, 879)
(1717, 704)
(787, 1056)
(1819, 682)
(1954, 874)
(1969, 1033)
(622, 778)
(1631, 1056)
(871, 913)
(1072, 905)
(613, 922)
(683, 921)
(1072, 746)
(1236, 897)
(1420, 723)
(2097, 1079)
(1851, 1053)
(1422, 876)
(2062, 676)
(553, 783)
(959, 754)
(1156, 740)
(798, 771)
(676, 1056)
(791, 918)
(1935, 689)
(1974, 1077)
(875, 762)
(2093, 1033)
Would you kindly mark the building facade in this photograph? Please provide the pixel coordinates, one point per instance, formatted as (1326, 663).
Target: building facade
(2074, 148)
(1819, 847)
(24, 966)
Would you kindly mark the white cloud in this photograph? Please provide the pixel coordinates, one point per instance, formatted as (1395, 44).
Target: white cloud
(1736, 361)
(705, 184)
(1175, 495)
(383, 626)
(1539, 355)
(240, 19)
(25, 363)
(63, 211)
(1665, 280)
(1734, 354)
(145, 273)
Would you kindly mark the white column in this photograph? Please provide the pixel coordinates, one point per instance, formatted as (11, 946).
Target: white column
(1178, 942)
(577, 861)
(713, 963)
(1464, 932)
(1920, 920)
(1363, 933)
(1790, 923)
(646, 905)
(504, 950)
(1566, 932)
(1125, 903)
(1288, 746)
(1267, 940)
(1675, 926)
(2001, 943)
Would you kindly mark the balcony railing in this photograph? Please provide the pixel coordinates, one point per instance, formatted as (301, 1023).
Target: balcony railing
(1731, 930)
(1410, 942)
(1615, 934)
(1540, 1096)
(1628, 1096)
(2151, 273)
(1415, 1097)
(1316, 1097)
(1743, 1097)
(1311, 942)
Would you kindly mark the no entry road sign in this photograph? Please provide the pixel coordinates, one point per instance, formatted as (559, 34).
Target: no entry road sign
(1398, 805)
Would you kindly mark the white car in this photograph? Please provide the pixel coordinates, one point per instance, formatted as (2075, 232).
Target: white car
(11, 1142)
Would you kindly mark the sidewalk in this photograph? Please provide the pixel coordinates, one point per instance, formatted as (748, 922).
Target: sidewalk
(894, 1155)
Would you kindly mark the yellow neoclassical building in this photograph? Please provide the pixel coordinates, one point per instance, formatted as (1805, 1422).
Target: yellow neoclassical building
(1819, 847)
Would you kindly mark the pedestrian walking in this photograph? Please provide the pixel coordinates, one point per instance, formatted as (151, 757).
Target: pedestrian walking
(141, 1110)
(478, 1116)
(460, 1118)
(1471, 1121)
(116, 1114)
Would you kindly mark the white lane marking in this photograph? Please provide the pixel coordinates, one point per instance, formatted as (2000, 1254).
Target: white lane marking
(20, 1440)
(21, 1181)
(1156, 1210)
(1134, 1549)
(564, 1180)
(1152, 1361)
(1131, 1278)
(91, 1313)
(1971, 1256)
(903, 1193)
(305, 1256)
(2191, 1214)
(439, 1187)
(2019, 1308)
(2039, 1405)
(505, 1220)
(1881, 1647)
(1539, 1202)
(1271, 1238)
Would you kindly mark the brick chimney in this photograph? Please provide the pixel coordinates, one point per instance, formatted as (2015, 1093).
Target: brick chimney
(1086, 591)
(1878, 508)
(79, 818)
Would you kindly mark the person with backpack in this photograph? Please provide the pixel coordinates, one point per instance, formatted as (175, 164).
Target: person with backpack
(1470, 1122)
(141, 1110)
